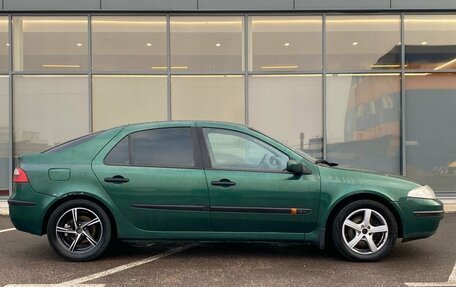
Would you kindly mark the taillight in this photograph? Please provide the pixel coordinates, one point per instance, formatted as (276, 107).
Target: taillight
(19, 175)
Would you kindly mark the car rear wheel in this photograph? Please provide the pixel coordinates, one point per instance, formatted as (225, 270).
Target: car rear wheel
(79, 230)
(364, 230)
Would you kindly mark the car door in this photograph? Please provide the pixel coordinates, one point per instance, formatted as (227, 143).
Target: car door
(155, 177)
(249, 189)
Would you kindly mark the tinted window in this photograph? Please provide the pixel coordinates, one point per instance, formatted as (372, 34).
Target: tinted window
(171, 147)
(119, 155)
(233, 150)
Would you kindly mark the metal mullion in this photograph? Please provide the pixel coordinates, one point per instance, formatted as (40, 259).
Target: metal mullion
(10, 104)
(323, 83)
(90, 86)
(402, 96)
(168, 66)
(246, 69)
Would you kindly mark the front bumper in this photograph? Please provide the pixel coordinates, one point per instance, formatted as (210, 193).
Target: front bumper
(420, 217)
(27, 208)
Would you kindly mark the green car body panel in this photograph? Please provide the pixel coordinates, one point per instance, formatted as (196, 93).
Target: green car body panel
(202, 211)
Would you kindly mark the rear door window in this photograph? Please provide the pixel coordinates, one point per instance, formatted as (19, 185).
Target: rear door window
(168, 147)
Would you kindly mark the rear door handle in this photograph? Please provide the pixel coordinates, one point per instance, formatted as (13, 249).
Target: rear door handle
(117, 179)
(223, 182)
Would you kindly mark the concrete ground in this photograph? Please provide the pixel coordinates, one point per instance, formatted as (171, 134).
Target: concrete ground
(28, 259)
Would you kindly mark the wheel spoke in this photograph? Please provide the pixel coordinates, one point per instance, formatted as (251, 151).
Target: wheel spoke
(91, 222)
(74, 212)
(75, 242)
(371, 243)
(367, 217)
(377, 229)
(90, 238)
(353, 225)
(355, 240)
(65, 230)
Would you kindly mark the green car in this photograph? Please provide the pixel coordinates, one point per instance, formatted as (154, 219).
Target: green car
(208, 181)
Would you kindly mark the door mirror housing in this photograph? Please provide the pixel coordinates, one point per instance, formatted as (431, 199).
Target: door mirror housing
(297, 168)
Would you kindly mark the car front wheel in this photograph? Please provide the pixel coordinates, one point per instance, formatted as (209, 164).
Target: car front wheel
(79, 230)
(364, 230)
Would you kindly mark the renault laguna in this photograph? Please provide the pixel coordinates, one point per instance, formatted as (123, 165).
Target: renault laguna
(209, 181)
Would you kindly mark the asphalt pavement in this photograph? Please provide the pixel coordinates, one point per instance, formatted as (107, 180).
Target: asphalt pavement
(28, 259)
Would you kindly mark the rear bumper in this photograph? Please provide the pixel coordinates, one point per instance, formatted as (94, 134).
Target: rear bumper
(420, 217)
(27, 208)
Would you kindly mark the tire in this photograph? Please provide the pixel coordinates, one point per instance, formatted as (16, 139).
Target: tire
(84, 240)
(357, 239)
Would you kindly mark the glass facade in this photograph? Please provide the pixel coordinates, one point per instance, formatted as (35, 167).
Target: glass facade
(366, 42)
(430, 101)
(144, 95)
(363, 120)
(48, 110)
(50, 44)
(211, 97)
(289, 108)
(351, 88)
(129, 44)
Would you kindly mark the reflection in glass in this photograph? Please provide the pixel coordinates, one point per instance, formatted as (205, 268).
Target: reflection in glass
(288, 108)
(366, 42)
(430, 41)
(363, 121)
(285, 43)
(4, 45)
(209, 97)
(4, 135)
(49, 110)
(50, 44)
(129, 44)
(119, 100)
(206, 44)
(430, 101)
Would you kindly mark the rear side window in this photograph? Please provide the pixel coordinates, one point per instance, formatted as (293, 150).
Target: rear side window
(170, 147)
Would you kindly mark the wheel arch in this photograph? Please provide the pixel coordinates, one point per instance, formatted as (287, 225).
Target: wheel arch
(79, 195)
(362, 195)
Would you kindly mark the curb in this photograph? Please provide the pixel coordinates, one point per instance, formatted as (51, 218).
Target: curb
(4, 211)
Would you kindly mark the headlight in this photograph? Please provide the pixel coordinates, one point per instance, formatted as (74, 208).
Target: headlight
(422, 192)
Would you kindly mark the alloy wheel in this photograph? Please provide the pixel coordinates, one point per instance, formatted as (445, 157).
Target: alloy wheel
(79, 230)
(365, 231)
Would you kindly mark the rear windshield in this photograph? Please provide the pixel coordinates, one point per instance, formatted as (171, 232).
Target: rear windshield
(72, 143)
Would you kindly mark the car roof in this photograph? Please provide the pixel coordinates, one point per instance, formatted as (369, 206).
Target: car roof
(218, 124)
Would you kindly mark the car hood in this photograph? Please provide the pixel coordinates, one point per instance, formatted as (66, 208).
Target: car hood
(352, 180)
(379, 173)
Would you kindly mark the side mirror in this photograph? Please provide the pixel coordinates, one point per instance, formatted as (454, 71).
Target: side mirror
(297, 168)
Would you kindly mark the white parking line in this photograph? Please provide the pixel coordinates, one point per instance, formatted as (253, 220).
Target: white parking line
(127, 266)
(451, 281)
(6, 230)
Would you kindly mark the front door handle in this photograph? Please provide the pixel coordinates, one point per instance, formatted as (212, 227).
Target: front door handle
(117, 179)
(223, 182)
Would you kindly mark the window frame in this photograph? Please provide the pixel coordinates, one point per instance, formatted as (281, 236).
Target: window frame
(198, 162)
(207, 159)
